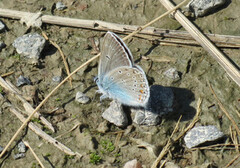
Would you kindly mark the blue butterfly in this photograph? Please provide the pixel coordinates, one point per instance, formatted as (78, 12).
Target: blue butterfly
(118, 77)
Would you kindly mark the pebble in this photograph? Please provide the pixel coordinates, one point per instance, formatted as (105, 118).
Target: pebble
(172, 73)
(144, 117)
(82, 98)
(22, 147)
(60, 6)
(57, 79)
(19, 156)
(30, 45)
(2, 26)
(132, 164)
(2, 45)
(23, 81)
(115, 114)
(160, 103)
(203, 7)
(202, 134)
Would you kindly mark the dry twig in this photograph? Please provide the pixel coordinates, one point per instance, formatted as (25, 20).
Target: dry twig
(224, 110)
(42, 134)
(167, 146)
(73, 128)
(174, 36)
(7, 74)
(61, 53)
(233, 160)
(34, 154)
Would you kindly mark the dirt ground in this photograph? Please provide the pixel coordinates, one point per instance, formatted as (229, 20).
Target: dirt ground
(195, 65)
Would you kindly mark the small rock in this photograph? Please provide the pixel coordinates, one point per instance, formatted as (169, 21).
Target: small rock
(30, 45)
(19, 156)
(172, 73)
(60, 6)
(102, 127)
(115, 114)
(23, 81)
(82, 98)
(160, 103)
(202, 134)
(57, 79)
(203, 7)
(21, 147)
(132, 164)
(2, 45)
(144, 117)
(1, 149)
(2, 26)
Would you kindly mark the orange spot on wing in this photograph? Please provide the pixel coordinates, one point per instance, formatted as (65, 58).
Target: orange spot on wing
(141, 91)
(140, 97)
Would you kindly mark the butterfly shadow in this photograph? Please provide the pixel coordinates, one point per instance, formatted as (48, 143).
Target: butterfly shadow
(171, 102)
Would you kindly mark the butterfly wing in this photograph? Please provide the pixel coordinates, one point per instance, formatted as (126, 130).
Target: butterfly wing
(114, 54)
(128, 85)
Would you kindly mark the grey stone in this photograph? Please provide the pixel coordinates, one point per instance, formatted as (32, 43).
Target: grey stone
(203, 7)
(60, 6)
(57, 79)
(21, 147)
(144, 117)
(202, 134)
(82, 98)
(160, 103)
(115, 114)
(172, 73)
(30, 45)
(2, 26)
(23, 81)
(19, 156)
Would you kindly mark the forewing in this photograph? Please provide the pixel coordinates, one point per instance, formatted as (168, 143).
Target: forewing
(114, 54)
(128, 85)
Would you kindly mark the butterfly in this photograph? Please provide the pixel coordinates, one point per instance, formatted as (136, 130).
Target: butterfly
(118, 77)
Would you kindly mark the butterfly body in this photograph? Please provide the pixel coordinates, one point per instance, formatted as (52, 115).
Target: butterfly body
(118, 77)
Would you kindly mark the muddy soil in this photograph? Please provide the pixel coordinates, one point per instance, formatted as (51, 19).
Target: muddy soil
(195, 65)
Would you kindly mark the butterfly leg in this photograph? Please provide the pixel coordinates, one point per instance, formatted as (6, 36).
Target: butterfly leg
(104, 96)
